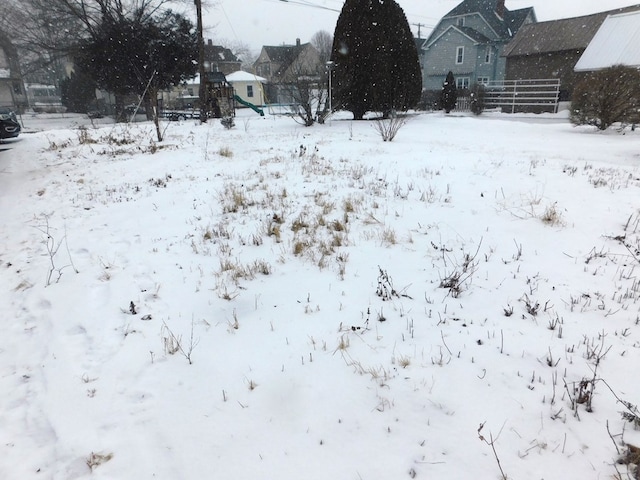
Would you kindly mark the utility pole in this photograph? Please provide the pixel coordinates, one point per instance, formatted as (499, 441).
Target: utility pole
(202, 92)
(419, 25)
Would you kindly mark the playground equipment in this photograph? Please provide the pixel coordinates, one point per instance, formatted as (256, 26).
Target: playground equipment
(220, 95)
(253, 107)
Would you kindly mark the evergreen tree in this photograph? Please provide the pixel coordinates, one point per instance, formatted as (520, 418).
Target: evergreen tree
(375, 57)
(78, 91)
(131, 55)
(449, 94)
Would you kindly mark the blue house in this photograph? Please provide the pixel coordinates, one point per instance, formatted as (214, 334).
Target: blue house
(469, 41)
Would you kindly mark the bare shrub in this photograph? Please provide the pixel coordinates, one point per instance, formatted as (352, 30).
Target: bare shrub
(96, 459)
(388, 128)
(173, 343)
(607, 96)
(552, 215)
(225, 152)
(461, 274)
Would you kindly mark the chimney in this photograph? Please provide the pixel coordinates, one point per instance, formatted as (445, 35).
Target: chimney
(500, 8)
(297, 42)
(210, 42)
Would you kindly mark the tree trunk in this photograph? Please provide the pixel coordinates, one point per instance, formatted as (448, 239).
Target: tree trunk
(149, 106)
(121, 115)
(153, 93)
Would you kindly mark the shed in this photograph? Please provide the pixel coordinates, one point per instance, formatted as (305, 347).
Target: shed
(550, 50)
(248, 87)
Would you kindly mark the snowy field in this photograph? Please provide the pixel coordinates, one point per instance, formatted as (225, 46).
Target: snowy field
(280, 302)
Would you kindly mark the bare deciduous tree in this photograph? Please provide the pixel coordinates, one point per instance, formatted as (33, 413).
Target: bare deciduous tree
(323, 41)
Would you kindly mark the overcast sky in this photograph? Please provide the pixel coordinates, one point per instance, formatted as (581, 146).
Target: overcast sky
(276, 22)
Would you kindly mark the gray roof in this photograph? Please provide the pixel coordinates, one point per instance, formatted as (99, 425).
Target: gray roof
(473, 34)
(284, 55)
(217, 53)
(506, 27)
(559, 35)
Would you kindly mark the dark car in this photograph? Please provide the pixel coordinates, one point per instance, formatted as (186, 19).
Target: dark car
(9, 126)
(95, 114)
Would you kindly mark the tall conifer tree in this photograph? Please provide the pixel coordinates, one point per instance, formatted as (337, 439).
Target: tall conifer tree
(375, 57)
(449, 93)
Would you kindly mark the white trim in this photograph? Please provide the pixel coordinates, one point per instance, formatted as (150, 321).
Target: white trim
(426, 46)
(463, 82)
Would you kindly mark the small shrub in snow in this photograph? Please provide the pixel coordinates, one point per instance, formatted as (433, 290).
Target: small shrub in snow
(84, 137)
(96, 459)
(225, 152)
(552, 215)
(53, 247)
(385, 288)
(388, 128)
(173, 343)
(461, 274)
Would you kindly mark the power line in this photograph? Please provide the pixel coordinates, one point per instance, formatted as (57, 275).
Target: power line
(304, 3)
(307, 4)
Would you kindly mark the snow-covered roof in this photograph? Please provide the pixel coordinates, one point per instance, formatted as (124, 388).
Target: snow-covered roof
(241, 76)
(615, 43)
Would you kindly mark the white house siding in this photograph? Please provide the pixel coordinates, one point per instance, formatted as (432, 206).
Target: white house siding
(241, 81)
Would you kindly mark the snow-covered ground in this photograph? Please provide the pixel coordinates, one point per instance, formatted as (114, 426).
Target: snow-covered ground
(281, 302)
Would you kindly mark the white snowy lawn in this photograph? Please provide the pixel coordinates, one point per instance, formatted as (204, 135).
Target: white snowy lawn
(281, 302)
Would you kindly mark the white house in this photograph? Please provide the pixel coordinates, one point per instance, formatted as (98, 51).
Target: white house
(248, 87)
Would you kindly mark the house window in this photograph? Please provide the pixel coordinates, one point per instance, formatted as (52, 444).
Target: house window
(462, 82)
(483, 80)
(460, 22)
(249, 91)
(264, 69)
(459, 55)
(487, 54)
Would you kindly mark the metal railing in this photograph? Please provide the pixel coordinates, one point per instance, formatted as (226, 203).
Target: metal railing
(523, 95)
